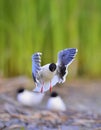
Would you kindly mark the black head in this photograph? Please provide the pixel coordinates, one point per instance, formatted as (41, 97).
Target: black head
(52, 67)
(20, 90)
(54, 94)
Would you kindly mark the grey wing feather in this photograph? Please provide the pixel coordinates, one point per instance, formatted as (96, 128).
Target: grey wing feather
(36, 66)
(65, 57)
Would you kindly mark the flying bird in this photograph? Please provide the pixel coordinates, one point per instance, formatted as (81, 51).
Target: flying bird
(29, 98)
(47, 76)
(55, 102)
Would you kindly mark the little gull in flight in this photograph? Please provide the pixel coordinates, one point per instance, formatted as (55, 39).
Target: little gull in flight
(47, 76)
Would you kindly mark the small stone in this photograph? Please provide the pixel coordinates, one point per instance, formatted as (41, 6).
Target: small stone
(13, 122)
(31, 127)
(2, 125)
(69, 127)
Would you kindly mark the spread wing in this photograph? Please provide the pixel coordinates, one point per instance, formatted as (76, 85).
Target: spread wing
(36, 66)
(65, 58)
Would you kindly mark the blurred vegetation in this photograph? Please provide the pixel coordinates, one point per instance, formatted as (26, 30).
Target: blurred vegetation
(28, 26)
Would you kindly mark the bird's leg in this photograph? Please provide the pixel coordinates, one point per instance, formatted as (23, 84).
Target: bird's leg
(50, 87)
(42, 87)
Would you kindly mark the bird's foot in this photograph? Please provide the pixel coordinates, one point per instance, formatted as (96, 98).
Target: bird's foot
(41, 89)
(50, 89)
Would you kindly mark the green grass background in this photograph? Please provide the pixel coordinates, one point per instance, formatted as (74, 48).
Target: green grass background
(28, 26)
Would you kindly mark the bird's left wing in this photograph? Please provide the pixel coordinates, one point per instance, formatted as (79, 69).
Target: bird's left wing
(36, 66)
(65, 58)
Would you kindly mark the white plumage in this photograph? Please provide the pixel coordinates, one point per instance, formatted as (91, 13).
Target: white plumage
(29, 98)
(55, 103)
(45, 77)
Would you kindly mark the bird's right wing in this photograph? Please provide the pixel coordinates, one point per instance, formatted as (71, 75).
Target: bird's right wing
(36, 66)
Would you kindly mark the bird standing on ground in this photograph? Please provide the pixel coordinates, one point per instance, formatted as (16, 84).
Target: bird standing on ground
(29, 98)
(45, 77)
(55, 102)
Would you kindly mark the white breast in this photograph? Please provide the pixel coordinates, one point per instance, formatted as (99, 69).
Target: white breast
(45, 74)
